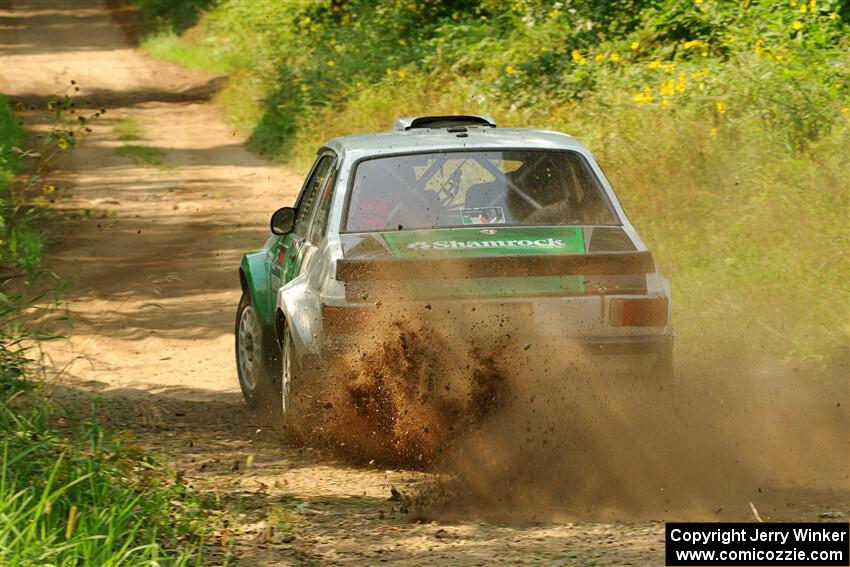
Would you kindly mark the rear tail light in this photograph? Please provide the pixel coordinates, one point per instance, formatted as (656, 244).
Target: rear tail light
(638, 312)
(344, 320)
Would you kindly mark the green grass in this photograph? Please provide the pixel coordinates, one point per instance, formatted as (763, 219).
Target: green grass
(723, 127)
(82, 497)
(144, 155)
(127, 128)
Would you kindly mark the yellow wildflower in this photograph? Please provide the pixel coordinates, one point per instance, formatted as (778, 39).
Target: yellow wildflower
(682, 82)
(401, 74)
(698, 1)
(665, 103)
(713, 132)
(47, 189)
(635, 45)
(667, 88)
(694, 43)
(599, 58)
(813, 6)
(641, 98)
(803, 8)
(62, 144)
(509, 69)
(721, 107)
(578, 57)
(644, 97)
(331, 63)
(797, 25)
(615, 57)
(793, 3)
(669, 67)
(653, 64)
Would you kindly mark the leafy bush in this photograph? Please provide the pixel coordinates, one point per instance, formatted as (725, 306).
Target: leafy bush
(21, 242)
(11, 135)
(723, 126)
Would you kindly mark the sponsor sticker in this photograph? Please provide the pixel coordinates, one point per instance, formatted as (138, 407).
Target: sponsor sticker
(502, 244)
(485, 215)
(506, 241)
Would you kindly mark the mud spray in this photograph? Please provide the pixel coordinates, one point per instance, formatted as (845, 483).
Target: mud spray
(518, 426)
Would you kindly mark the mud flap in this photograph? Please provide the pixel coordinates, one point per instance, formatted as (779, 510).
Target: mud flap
(300, 306)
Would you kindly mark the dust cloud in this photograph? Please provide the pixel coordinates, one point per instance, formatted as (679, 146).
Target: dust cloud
(598, 443)
(518, 426)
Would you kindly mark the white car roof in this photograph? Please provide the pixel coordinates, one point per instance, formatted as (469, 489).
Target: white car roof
(416, 140)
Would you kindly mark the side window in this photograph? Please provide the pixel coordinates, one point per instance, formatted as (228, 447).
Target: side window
(308, 199)
(323, 208)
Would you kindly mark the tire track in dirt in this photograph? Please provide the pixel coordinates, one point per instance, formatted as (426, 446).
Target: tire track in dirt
(153, 253)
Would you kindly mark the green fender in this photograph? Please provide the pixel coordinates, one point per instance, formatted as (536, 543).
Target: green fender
(253, 276)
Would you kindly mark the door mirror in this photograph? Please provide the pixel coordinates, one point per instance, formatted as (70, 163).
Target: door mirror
(283, 220)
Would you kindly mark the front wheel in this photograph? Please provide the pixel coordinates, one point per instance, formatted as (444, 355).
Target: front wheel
(253, 359)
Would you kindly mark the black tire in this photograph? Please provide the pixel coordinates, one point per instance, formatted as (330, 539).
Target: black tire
(290, 376)
(256, 360)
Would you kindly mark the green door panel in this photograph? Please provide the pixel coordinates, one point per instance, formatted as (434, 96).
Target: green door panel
(292, 265)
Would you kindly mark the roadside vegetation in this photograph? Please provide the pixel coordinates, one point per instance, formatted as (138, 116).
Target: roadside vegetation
(127, 128)
(143, 155)
(71, 492)
(722, 125)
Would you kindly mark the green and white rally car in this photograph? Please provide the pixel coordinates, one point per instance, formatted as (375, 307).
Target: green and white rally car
(447, 210)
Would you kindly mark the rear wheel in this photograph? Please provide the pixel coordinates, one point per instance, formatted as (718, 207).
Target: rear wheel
(286, 361)
(254, 359)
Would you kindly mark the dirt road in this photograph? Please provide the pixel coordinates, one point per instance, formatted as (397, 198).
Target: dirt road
(153, 252)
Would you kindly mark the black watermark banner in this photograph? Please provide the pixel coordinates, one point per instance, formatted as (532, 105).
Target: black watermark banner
(760, 544)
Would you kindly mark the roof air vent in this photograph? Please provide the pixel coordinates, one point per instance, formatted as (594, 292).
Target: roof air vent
(458, 121)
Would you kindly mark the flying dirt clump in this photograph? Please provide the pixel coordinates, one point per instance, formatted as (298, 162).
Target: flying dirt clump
(404, 393)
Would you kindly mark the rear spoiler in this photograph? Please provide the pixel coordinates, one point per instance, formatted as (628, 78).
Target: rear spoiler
(495, 266)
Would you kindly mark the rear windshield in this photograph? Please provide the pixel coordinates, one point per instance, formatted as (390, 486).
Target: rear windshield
(441, 190)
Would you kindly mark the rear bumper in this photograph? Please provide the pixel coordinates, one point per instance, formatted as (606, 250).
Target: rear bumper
(652, 344)
(611, 345)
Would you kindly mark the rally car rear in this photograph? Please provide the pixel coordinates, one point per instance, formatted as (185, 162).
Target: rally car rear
(588, 286)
